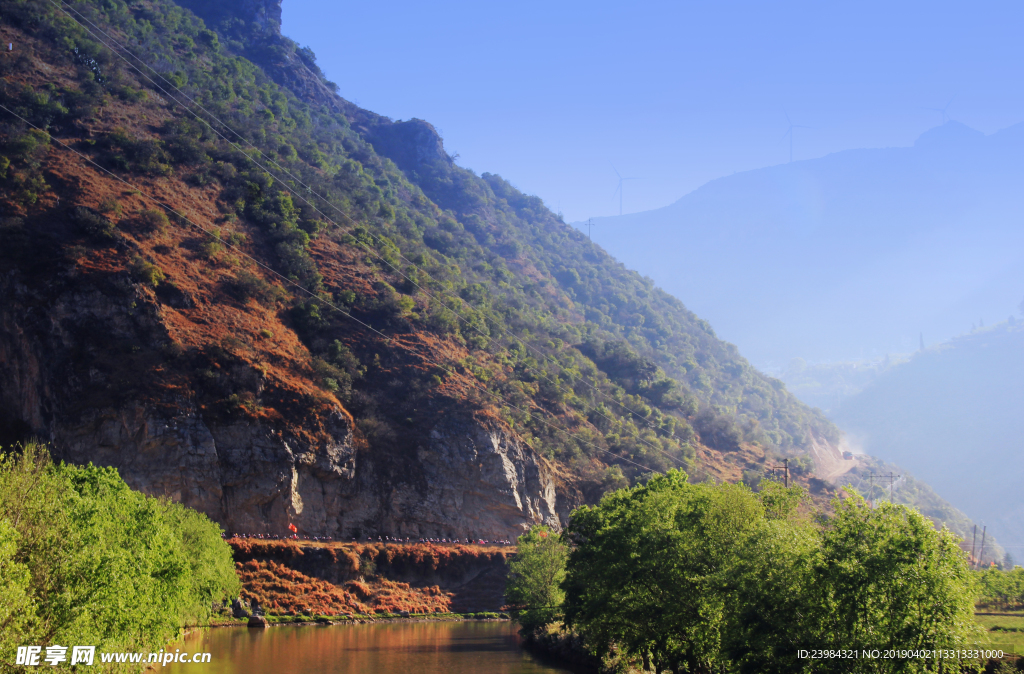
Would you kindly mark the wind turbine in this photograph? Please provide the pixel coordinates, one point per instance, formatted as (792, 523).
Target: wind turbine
(942, 111)
(618, 189)
(789, 132)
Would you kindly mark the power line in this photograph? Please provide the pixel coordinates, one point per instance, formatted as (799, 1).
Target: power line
(377, 239)
(285, 279)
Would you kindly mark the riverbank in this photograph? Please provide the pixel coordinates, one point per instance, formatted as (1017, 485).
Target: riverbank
(567, 649)
(314, 621)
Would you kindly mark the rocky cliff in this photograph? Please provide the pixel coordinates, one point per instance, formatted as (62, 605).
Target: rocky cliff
(468, 478)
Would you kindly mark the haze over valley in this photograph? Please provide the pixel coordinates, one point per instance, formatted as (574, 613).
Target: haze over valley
(834, 273)
(851, 256)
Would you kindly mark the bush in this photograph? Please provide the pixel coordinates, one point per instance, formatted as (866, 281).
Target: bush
(110, 205)
(718, 431)
(715, 578)
(86, 560)
(152, 221)
(146, 272)
(210, 249)
(247, 286)
(93, 224)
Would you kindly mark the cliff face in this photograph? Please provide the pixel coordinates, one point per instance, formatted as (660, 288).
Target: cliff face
(465, 480)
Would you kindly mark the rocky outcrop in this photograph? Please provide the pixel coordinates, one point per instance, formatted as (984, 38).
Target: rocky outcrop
(411, 145)
(240, 608)
(466, 481)
(261, 15)
(473, 481)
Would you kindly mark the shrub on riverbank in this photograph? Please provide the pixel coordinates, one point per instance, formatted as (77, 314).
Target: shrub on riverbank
(85, 560)
(533, 587)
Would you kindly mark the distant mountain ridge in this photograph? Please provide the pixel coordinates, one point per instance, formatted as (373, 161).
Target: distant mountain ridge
(856, 254)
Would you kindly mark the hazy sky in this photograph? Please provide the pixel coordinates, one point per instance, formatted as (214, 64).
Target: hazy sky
(551, 95)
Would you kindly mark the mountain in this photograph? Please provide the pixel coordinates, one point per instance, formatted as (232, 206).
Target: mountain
(851, 256)
(253, 297)
(951, 414)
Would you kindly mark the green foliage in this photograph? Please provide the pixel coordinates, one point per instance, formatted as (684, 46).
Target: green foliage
(780, 502)
(138, 155)
(1001, 589)
(533, 585)
(718, 430)
(649, 564)
(146, 272)
(247, 286)
(107, 566)
(916, 494)
(93, 224)
(885, 578)
(715, 578)
(22, 165)
(152, 221)
(109, 205)
(17, 610)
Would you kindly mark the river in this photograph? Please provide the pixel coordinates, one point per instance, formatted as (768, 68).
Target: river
(447, 647)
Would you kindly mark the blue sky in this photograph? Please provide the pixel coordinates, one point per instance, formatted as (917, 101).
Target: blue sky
(552, 95)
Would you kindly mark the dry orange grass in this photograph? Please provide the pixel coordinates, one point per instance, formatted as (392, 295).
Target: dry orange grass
(282, 590)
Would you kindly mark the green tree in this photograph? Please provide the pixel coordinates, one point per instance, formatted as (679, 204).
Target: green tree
(535, 575)
(767, 612)
(885, 578)
(108, 566)
(779, 501)
(651, 567)
(17, 610)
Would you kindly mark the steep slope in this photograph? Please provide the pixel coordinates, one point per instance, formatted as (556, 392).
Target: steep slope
(850, 256)
(438, 356)
(952, 416)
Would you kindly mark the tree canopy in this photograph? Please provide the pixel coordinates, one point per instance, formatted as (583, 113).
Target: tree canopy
(710, 578)
(84, 559)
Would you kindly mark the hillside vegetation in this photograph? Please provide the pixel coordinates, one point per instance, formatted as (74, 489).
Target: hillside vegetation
(408, 285)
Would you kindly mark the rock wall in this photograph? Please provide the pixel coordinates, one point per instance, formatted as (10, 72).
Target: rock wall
(468, 478)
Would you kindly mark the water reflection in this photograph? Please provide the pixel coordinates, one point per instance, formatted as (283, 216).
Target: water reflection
(426, 647)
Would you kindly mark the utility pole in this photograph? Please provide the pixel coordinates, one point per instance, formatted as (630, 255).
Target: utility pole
(783, 467)
(982, 550)
(974, 539)
(590, 223)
